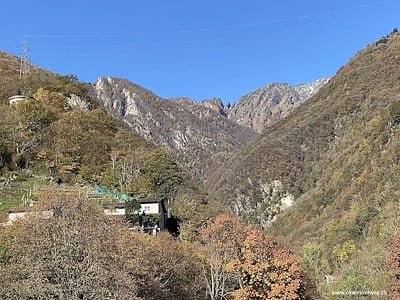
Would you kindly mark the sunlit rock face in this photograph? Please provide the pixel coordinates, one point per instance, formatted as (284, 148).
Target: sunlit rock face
(195, 132)
(268, 104)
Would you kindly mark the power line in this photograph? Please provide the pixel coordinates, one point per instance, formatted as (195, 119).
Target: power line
(216, 28)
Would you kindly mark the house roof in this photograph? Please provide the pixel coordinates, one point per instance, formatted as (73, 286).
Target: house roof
(114, 205)
(150, 200)
(141, 201)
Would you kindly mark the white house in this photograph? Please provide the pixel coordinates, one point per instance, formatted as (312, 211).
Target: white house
(148, 207)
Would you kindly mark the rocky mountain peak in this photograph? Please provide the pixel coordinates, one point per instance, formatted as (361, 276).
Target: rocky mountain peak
(196, 132)
(270, 103)
(306, 91)
(214, 104)
(185, 101)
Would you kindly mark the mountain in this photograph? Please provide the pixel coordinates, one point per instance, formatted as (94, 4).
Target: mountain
(198, 133)
(216, 105)
(324, 179)
(327, 176)
(268, 104)
(60, 133)
(297, 150)
(202, 134)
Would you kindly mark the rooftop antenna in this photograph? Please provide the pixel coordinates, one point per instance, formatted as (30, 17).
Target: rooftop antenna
(24, 59)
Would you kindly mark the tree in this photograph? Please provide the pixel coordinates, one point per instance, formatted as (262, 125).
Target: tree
(163, 172)
(73, 254)
(171, 269)
(313, 257)
(192, 211)
(314, 260)
(132, 208)
(126, 162)
(160, 176)
(83, 141)
(68, 249)
(223, 238)
(5, 143)
(266, 270)
(5, 156)
(28, 124)
(247, 264)
(343, 252)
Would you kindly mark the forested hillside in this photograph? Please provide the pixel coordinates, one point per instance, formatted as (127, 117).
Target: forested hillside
(61, 132)
(327, 176)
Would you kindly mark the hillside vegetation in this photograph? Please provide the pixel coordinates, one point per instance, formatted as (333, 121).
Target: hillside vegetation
(58, 143)
(323, 181)
(62, 134)
(79, 253)
(337, 157)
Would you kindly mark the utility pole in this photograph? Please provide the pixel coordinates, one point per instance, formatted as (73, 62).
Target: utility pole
(24, 60)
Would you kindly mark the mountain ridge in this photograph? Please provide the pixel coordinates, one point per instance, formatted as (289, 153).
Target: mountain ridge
(203, 134)
(196, 133)
(270, 103)
(323, 178)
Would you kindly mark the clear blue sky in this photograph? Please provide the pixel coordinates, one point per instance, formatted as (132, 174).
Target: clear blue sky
(200, 49)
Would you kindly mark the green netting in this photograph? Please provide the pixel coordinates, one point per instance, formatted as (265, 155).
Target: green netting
(102, 190)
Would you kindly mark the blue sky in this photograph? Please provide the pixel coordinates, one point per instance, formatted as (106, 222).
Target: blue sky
(199, 49)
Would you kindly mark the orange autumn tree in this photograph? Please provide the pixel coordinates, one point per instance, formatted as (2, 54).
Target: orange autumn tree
(247, 264)
(267, 271)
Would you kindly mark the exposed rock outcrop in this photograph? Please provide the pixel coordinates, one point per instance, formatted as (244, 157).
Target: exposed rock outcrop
(268, 104)
(199, 134)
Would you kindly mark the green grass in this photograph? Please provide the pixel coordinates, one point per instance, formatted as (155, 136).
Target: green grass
(13, 195)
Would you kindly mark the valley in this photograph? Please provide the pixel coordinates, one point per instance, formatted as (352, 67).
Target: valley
(309, 172)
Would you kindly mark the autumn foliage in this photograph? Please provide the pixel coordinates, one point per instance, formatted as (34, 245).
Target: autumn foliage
(77, 253)
(254, 266)
(67, 249)
(222, 238)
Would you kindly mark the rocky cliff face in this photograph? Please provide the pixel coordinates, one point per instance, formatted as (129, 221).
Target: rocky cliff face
(198, 133)
(215, 104)
(268, 104)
